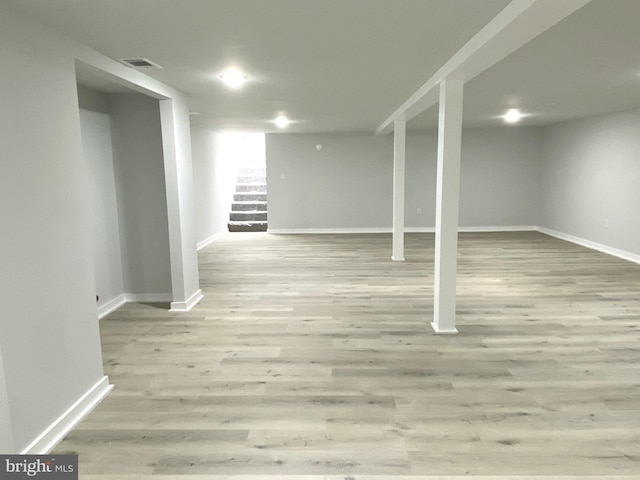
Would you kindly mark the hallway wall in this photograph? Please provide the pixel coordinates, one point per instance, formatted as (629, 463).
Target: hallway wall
(49, 337)
(48, 328)
(97, 142)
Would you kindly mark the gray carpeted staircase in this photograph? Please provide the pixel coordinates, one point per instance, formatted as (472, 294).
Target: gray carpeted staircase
(249, 207)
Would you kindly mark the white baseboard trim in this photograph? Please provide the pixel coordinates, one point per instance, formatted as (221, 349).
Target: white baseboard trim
(295, 231)
(592, 245)
(111, 306)
(512, 228)
(208, 241)
(149, 297)
(120, 300)
(47, 440)
(189, 304)
(337, 231)
(507, 228)
(436, 329)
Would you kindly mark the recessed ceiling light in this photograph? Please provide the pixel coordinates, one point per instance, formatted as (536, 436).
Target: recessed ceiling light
(281, 121)
(513, 116)
(233, 78)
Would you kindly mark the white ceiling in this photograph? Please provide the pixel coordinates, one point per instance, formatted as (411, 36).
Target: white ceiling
(586, 65)
(345, 65)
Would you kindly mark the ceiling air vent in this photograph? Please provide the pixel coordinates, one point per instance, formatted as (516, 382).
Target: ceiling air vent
(140, 63)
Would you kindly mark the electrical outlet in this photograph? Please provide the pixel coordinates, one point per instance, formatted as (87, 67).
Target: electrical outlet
(419, 211)
(282, 176)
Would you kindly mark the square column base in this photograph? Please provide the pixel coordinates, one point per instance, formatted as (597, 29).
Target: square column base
(443, 332)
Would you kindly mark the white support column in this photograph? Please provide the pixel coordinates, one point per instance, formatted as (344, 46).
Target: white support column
(447, 202)
(178, 170)
(399, 142)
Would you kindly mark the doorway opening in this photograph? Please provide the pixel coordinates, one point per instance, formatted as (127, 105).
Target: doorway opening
(249, 206)
(122, 140)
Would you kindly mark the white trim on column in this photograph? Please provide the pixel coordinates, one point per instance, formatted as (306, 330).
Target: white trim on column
(399, 160)
(632, 257)
(66, 422)
(172, 156)
(189, 304)
(439, 331)
(447, 205)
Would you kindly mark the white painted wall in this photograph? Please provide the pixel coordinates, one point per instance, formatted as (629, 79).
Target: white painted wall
(176, 142)
(48, 328)
(591, 184)
(94, 101)
(49, 336)
(105, 230)
(500, 177)
(142, 204)
(347, 184)
(215, 175)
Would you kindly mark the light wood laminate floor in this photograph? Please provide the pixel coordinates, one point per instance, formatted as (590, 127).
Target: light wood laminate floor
(312, 357)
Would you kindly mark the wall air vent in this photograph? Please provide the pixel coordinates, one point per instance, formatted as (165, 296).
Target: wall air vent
(139, 63)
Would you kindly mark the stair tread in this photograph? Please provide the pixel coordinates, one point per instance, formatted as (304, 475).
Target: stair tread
(243, 224)
(248, 228)
(246, 222)
(242, 216)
